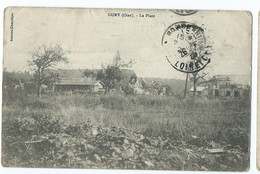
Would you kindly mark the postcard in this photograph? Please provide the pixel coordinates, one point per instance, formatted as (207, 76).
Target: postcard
(126, 89)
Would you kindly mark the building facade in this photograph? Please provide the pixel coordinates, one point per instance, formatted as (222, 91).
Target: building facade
(225, 86)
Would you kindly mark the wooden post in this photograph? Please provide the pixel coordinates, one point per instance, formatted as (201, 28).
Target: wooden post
(185, 89)
(53, 87)
(194, 84)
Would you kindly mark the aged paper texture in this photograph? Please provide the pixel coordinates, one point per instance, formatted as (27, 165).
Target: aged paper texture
(126, 89)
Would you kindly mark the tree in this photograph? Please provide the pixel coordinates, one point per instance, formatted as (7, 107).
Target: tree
(119, 63)
(197, 79)
(89, 73)
(168, 89)
(110, 74)
(51, 79)
(43, 58)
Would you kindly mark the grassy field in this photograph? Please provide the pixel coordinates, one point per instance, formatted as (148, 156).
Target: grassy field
(162, 132)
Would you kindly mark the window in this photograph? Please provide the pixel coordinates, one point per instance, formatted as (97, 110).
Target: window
(216, 92)
(236, 94)
(228, 93)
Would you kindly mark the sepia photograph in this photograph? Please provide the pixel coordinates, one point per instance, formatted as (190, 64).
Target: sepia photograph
(133, 89)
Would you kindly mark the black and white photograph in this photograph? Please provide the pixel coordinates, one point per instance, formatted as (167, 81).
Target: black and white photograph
(135, 89)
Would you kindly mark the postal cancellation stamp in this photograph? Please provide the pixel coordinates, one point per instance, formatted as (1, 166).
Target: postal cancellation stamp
(184, 44)
(184, 12)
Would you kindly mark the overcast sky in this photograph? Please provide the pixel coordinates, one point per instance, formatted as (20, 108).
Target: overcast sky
(93, 37)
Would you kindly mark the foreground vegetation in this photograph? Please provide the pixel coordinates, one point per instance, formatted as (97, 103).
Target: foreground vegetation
(129, 132)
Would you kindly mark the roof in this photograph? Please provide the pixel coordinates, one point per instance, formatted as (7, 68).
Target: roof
(75, 76)
(126, 76)
(69, 73)
(127, 73)
(199, 88)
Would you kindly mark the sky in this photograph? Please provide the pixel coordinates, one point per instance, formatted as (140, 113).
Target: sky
(93, 36)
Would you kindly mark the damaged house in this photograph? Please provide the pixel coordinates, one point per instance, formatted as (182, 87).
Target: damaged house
(130, 83)
(229, 86)
(225, 86)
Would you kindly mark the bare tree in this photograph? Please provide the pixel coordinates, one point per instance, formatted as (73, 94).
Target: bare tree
(43, 58)
(119, 63)
(197, 79)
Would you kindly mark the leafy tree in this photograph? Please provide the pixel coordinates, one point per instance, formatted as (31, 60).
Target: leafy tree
(43, 58)
(110, 74)
(52, 78)
(89, 73)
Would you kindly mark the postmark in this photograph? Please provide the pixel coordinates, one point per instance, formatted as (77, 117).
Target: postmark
(183, 44)
(183, 12)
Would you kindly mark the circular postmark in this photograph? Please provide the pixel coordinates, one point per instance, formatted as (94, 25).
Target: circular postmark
(184, 44)
(184, 12)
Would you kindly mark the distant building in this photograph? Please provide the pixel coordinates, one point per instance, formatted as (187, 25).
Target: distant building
(19, 86)
(229, 86)
(131, 84)
(83, 84)
(200, 90)
(128, 79)
(73, 80)
(225, 86)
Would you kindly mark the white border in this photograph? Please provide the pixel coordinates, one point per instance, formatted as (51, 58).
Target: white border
(250, 5)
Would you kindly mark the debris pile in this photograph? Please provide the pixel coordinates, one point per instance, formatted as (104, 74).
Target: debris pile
(86, 146)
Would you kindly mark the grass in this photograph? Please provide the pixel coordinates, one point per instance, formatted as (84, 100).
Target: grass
(225, 121)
